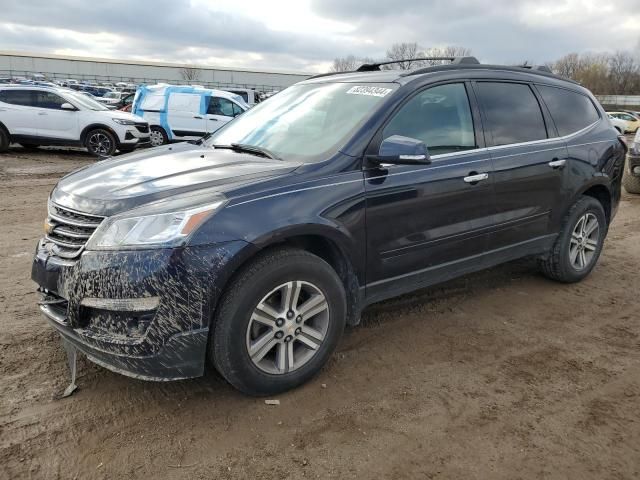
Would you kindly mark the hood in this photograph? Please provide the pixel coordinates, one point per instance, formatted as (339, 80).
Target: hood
(122, 183)
(126, 116)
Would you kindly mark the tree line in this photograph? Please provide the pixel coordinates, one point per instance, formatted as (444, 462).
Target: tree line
(603, 73)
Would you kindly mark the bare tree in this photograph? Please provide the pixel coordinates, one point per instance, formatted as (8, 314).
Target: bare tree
(190, 74)
(405, 54)
(623, 71)
(349, 63)
(448, 51)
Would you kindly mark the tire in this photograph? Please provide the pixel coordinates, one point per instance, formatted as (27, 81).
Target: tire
(235, 331)
(560, 264)
(630, 183)
(100, 142)
(158, 136)
(29, 146)
(4, 140)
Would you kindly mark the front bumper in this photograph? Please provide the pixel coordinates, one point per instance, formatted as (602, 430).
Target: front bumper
(167, 342)
(137, 135)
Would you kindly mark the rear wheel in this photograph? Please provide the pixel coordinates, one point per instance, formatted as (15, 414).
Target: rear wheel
(579, 244)
(158, 136)
(4, 140)
(278, 322)
(100, 142)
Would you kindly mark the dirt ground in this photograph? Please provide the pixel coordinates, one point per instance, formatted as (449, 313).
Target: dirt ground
(497, 375)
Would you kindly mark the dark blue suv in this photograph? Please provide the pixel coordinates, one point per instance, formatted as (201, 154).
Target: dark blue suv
(250, 250)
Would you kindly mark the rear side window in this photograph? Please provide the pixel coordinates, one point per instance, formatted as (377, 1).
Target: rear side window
(439, 116)
(512, 112)
(570, 111)
(17, 97)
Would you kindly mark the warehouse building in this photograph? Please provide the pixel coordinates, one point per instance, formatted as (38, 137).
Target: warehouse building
(15, 64)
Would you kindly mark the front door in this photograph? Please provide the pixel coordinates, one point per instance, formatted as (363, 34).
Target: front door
(427, 223)
(529, 162)
(52, 121)
(220, 111)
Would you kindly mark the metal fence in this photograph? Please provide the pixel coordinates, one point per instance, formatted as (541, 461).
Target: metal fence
(138, 80)
(630, 102)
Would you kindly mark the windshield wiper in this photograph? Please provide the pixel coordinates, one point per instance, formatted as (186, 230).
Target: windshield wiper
(242, 147)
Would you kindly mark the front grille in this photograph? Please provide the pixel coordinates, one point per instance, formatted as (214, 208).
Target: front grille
(69, 230)
(142, 127)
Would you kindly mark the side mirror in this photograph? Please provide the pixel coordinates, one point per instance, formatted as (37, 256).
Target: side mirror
(67, 106)
(402, 151)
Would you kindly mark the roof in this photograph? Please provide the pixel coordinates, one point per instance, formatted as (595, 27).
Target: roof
(405, 76)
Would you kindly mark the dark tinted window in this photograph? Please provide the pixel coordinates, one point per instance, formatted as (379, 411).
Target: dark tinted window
(512, 111)
(439, 116)
(16, 97)
(236, 110)
(571, 111)
(220, 106)
(48, 100)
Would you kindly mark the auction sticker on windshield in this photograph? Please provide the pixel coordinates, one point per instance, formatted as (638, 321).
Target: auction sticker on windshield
(373, 91)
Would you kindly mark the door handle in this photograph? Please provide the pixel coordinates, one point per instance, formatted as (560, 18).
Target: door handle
(42, 113)
(213, 119)
(197, 117)
(475, 178)
(555, 163)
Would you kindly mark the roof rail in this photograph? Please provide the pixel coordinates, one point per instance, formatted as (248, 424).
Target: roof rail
(539, 68)
(372, 67)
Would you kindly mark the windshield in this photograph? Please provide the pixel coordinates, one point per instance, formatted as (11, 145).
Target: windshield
(304, 122)
(84, 101)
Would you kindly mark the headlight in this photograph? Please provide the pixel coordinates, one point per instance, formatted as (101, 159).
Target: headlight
(157, 230)
(123, 121)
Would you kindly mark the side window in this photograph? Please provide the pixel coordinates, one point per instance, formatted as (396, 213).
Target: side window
(236, 110)
(220, 106)
(439, 116)
(48, 100)
(17, 97)
(571, 111)
(512, 112)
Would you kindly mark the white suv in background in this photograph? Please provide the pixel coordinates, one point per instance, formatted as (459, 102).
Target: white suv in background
(33, 116)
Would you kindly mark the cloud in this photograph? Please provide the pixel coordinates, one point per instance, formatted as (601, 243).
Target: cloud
(308, 34)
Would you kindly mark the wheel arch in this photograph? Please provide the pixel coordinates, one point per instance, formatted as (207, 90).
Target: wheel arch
(319, 242)
(94, 126)
(601, 192)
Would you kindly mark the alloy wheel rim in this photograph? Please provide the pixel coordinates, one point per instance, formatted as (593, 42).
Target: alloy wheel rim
(287, 327)
(584, 241)
(156, 138)
(99, 143)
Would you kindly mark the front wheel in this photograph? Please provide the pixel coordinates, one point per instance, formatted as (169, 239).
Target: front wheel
(278, 322)
(100, 143)
(630, 182)
(579, 243)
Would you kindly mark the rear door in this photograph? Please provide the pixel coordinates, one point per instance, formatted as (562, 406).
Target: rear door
(52, 121)
(425, 222)
(18, 112)
(528, 160)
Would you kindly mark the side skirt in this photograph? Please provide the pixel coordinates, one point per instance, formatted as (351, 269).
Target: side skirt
(392, 287)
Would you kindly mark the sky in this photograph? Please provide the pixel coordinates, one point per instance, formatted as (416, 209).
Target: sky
(306, 35)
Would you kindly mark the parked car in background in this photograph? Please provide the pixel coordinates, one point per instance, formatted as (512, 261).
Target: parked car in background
(250, 96)
(631, 180)
(178, 113)
(633, 123)
(127, 102)
(33, 116)
(250, 251)
(620, 125)
(112, 98)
